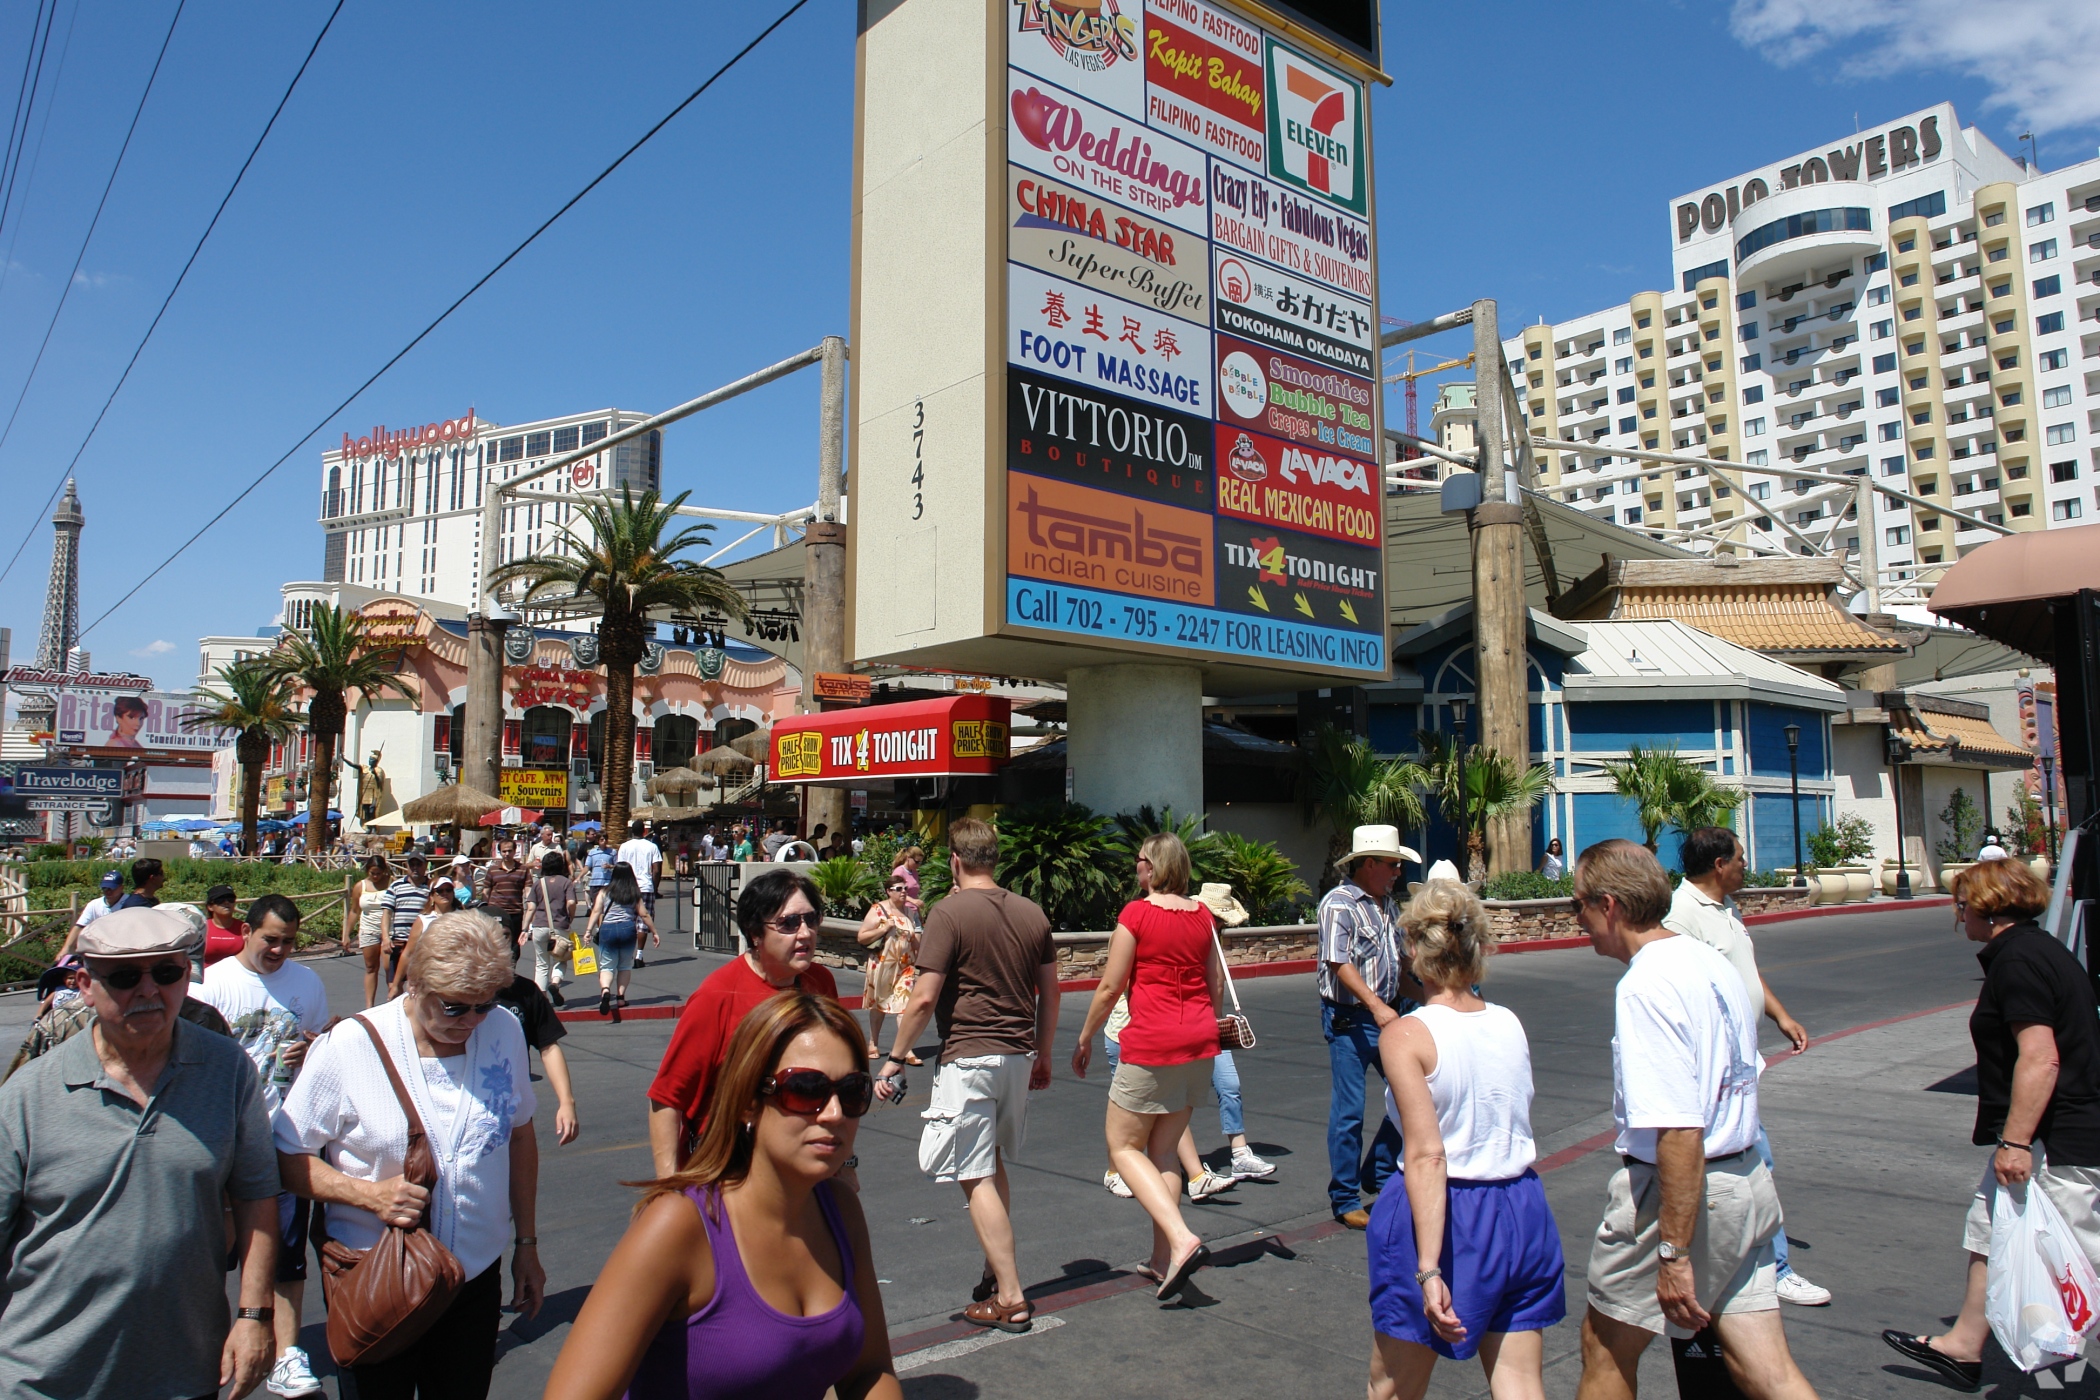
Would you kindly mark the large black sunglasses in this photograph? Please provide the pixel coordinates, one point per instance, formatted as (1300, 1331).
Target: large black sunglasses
(788, 923)
(123, 978)
(809, 1092)
(456, 1009)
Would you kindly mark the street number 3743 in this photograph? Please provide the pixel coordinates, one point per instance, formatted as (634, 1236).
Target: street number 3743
(918, 459)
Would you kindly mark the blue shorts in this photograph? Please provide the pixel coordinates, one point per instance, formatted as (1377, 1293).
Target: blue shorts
(616, 957)
(1501, 1259)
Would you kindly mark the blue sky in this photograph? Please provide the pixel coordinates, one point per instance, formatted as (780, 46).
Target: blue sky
(426, 140)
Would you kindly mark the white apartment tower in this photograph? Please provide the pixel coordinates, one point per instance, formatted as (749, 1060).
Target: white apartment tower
(401, 507)
(1908, 301)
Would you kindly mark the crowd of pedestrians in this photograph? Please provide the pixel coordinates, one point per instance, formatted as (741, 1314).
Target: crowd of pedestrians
(188, 1104)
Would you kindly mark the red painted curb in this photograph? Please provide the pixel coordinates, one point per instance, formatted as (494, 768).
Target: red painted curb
(1876, 906)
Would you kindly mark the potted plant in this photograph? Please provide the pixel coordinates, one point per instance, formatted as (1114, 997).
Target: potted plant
(1963, 820)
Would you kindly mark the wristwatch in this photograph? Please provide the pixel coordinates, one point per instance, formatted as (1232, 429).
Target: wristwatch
(1672, 1254)
(263, 1315)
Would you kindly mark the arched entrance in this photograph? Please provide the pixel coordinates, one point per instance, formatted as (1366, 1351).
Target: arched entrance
(729, 730)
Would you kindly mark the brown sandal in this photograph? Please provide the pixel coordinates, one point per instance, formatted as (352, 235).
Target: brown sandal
(990, 1314)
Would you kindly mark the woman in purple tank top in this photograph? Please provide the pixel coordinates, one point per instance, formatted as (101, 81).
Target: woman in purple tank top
(747, 1274)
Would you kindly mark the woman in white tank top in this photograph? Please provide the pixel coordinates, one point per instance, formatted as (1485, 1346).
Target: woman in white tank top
(1466, 1258)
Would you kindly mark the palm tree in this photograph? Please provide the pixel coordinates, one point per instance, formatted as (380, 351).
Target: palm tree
(1489, 787)
(615, 552)
(328, 660)
(263, 709)
(1670, 791)
(1348, 784)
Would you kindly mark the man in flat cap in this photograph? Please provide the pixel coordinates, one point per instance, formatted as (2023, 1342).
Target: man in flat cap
(117, 1151)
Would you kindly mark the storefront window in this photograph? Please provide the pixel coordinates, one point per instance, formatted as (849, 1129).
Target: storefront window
(546, 737)
(677, 739)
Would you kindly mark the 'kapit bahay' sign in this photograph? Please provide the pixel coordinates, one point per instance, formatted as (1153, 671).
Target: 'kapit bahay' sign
(1099, 244)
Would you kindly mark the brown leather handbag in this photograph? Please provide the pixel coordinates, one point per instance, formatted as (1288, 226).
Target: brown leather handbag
(381, 1300)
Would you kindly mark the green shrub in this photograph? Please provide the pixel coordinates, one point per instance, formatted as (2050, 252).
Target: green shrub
(848, 885)
(1060, 855)
(1964, 823)
(1263, 879)
(1527, 884)
(1133, 829)
(1767, 879)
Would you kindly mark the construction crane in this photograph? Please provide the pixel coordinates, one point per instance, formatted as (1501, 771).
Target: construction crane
(1409, 376)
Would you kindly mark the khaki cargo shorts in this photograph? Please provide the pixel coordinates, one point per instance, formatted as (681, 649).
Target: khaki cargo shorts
(979, 1109)
(1732, 1262)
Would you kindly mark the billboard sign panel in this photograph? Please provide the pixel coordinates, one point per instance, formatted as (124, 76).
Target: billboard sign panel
(1142, 229)
(546, 789)
(155, 720)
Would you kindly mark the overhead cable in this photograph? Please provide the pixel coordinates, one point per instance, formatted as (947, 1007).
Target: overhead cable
(443, 316)
(88, 237)
(139, 349)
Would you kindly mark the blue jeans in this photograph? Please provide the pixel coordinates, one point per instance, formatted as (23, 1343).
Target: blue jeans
(1352, 1048)
(1224, 1082)
(1779, 1250)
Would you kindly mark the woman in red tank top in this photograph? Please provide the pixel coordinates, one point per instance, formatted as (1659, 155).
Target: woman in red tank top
(224, 933)
(1164, 951)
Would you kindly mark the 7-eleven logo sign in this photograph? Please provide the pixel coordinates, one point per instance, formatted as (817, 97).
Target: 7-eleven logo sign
(1316, 130)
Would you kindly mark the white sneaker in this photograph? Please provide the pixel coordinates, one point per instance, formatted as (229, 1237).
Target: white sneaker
(1799, 1291)
(292, 1375)
(1248, 1167)
(1210, 1184)
(1112, 1181)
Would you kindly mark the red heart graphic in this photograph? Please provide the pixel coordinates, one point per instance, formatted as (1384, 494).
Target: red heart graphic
(1032, 112)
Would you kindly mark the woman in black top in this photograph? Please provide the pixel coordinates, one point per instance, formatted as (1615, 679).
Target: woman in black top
(2037, 1038)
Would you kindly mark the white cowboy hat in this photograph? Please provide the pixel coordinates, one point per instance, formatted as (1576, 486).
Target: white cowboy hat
(1227, 910)
(1445, 870)
(1382, 841)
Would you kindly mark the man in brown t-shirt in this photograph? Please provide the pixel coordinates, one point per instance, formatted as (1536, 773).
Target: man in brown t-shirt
(987, 968)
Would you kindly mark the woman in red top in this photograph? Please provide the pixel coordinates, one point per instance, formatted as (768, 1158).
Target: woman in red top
(224, 932)
(1164, 950)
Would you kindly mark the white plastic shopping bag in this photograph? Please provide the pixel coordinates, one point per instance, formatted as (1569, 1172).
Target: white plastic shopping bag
(2042, 1292)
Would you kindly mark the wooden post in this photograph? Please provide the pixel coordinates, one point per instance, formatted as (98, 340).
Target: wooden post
(1498, 599)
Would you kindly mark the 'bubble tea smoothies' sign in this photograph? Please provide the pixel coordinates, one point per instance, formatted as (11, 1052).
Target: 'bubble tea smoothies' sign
(1115, 382)
(1191, 414)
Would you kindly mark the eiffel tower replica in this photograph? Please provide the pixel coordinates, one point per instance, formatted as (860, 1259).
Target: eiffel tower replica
(60, 637)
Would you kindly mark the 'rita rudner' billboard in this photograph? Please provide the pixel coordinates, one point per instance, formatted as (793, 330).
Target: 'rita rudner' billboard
(155, 720)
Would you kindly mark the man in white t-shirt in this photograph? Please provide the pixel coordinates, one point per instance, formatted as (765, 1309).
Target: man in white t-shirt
(1686, 1240)
(1702, 908)
(274, 1008)
(112, 891)
(644, 857)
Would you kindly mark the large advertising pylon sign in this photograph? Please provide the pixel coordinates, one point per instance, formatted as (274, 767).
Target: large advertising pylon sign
(1115, 339)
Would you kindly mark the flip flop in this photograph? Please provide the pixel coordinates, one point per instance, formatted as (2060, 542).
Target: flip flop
(1178, 1280)
(1969, 1374)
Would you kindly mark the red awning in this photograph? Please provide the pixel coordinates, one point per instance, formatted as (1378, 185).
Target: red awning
(959, 737)
(2003, 589)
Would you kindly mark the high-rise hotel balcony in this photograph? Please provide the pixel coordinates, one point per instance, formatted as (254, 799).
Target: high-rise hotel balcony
(1798, 233)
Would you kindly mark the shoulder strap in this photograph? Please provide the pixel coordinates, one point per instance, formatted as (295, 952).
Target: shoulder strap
(417, 1167)
(1223, 966)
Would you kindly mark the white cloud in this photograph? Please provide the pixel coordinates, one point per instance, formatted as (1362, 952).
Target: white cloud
(2036, 57)
(154, 648)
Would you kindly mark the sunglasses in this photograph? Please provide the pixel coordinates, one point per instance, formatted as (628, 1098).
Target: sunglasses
(457, 1009)
(808, 1092)
(788, 923)
(124, 978)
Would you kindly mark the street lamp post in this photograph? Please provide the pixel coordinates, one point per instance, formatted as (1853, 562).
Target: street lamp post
(2049, 799)
(1793, 770)
(1898, 751)
(1465, 815)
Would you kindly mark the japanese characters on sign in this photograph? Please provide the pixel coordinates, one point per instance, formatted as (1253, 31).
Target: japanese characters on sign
(1191, 406)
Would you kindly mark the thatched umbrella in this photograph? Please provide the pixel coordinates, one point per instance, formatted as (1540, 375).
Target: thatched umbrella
(756, 745)
(664, 814)
(454, 805)
(676, 780)
(724, 761)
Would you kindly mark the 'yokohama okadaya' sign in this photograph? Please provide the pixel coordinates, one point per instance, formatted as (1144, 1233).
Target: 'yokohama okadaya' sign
(1150, 251)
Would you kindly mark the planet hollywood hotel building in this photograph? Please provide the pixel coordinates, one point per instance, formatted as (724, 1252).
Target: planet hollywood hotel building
(401, 544)
(1908, 301)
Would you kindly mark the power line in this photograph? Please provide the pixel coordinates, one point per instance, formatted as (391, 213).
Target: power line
(443, 316)
(140, 348)
(88, 237)
(36, 157)
(18, 134)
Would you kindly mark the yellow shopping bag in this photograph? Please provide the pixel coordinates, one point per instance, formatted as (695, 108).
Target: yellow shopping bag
(586, 959)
